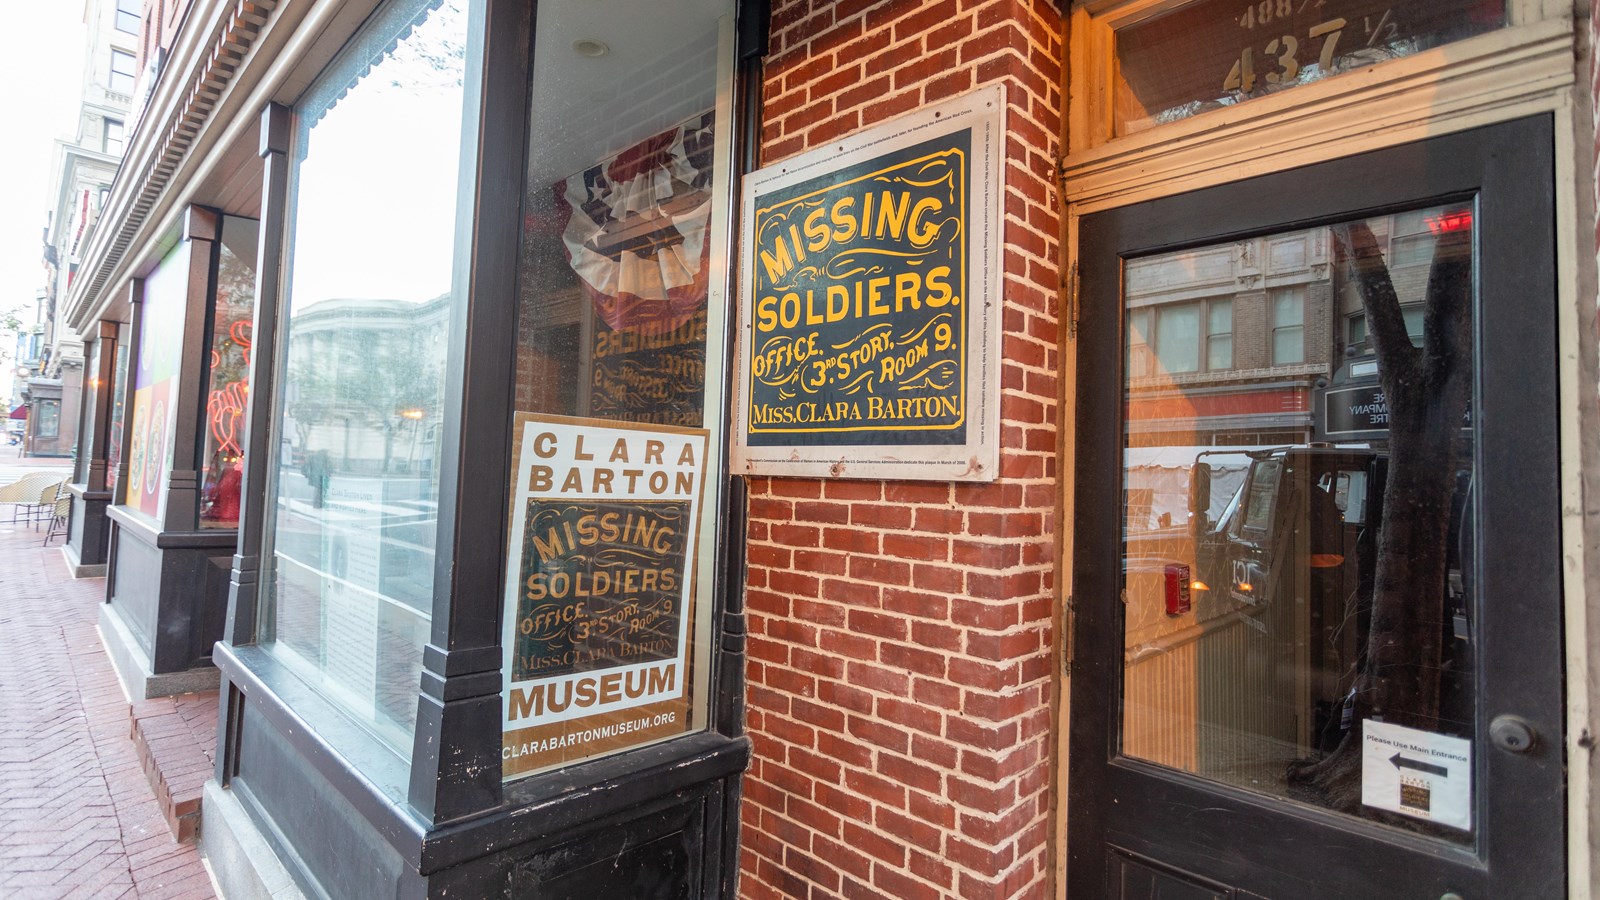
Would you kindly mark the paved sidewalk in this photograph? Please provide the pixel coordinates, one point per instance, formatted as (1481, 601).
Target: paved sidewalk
(77, 818)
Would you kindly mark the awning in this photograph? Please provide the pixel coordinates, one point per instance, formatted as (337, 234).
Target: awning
(20, 412)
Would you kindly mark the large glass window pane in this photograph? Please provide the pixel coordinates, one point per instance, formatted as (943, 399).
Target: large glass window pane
(623, 307)
(371, 282)
(233, 307)
(1297, 583)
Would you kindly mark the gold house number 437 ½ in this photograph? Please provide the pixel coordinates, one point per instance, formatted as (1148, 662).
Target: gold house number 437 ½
(1281, 52)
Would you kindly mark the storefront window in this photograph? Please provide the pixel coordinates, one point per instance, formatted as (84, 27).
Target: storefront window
(620, 348)
(229, 374)
(352, 504)
(93, 389)
(155, 383)
(48, 420)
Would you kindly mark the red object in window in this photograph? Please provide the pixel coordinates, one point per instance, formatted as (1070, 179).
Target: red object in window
(1178, 601)
(1460, 220)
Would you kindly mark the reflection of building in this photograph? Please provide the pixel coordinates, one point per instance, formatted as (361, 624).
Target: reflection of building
(364, 382)
(1227, 345)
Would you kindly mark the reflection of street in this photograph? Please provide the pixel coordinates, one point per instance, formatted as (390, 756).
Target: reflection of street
(354, 584)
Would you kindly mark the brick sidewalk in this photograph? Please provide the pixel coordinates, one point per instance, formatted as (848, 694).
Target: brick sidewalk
(77, 818)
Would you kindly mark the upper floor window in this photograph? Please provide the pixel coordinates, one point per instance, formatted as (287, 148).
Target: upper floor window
(128, 16)
(112, 139)
(122, 72)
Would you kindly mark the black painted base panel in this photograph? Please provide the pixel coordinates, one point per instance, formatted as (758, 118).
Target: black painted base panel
(171, 589)
(656, 822)
(89, 533)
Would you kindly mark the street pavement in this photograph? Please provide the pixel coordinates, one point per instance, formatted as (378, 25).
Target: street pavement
(77, 816)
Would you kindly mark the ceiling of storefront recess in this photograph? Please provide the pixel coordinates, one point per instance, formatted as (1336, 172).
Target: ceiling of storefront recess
(660, 70)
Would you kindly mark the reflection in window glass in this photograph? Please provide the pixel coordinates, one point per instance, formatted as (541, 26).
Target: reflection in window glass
(1329, 555)
(1288, 326)
(119, 387)
(93, 389)
(1219, 337)
(222, 442)
(353, 499)
(1138, 361)
(1178, 337)
(621, 321)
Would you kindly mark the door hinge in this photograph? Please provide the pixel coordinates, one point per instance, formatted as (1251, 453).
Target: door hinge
(1066, 635)
(1069, 301)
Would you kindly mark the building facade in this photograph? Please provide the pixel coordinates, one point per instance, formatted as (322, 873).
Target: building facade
(540, 422)
(83, 170)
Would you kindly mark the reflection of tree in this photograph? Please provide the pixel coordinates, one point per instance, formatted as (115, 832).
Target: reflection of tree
(434, 53)
(373, 380)
(1427, 390)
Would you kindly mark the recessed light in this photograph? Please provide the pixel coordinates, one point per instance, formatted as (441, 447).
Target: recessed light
(590, 47)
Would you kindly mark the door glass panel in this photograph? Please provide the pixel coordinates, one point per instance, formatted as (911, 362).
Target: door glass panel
(1298, 544)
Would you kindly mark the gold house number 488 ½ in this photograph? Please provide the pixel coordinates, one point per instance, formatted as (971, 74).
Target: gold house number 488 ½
(1282, 52)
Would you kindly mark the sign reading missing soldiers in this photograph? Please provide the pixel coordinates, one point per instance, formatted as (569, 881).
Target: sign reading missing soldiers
(871, 303)
(599, 588)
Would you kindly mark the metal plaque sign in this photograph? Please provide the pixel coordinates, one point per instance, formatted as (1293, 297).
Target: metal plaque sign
(871, 304)
(599, 588)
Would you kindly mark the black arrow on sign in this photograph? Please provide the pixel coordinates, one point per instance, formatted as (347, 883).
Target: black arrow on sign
(1401, 762)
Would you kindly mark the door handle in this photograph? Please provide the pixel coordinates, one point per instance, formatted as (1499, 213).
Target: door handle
(1513, 734)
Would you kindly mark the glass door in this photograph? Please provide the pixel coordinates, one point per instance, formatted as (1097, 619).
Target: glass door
(1320, 461)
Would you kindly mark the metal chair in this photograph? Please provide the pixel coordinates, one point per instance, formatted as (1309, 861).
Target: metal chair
(24, 493)
(60, 518)
(44, 505)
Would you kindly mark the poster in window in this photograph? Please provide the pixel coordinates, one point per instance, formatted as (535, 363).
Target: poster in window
(155, 411)
(600, 587)
(870, 283)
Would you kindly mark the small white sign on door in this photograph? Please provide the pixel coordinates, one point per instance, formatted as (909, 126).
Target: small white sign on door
(1417, 773)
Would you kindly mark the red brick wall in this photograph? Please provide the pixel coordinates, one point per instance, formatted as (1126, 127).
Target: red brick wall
(902, 637)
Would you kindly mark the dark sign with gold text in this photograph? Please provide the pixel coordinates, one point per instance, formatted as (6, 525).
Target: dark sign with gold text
(860, 287)
(601, 586)
(870, 302)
